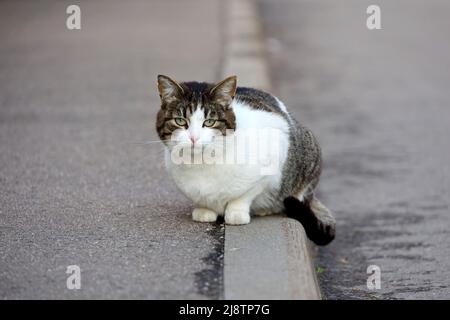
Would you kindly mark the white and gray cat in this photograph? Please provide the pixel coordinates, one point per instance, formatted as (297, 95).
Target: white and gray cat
(193, 115)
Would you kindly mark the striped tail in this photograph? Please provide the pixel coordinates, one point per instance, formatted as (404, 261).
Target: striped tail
(317, 220)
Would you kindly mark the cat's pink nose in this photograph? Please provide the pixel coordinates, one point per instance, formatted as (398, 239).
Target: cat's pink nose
(194, 139)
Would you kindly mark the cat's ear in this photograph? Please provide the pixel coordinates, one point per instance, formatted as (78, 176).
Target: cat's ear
(169, 90)
(224, 92)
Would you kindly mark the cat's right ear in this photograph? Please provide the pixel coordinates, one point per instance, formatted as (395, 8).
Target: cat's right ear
(169, 90)
(224, 92)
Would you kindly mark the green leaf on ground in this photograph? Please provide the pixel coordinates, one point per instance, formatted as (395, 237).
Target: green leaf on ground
(320, 270)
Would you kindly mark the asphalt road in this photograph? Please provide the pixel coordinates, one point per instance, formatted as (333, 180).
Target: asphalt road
(379, 102)
(75, 187)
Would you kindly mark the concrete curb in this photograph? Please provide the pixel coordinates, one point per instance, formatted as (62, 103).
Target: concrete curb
(270, 258)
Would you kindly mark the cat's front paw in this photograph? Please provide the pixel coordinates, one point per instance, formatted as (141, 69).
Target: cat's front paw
(236, 215)
(204, 215)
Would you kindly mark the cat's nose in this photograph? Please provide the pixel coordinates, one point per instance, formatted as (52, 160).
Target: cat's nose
(194, 139)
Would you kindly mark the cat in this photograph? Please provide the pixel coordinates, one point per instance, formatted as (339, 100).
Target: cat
(194, 114)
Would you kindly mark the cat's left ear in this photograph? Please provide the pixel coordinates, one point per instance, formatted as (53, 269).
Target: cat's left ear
(224, 92)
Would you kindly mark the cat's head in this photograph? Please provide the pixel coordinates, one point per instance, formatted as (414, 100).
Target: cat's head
(194, 112)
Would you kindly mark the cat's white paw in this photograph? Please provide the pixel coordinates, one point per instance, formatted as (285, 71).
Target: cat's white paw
(237, 215)
(204, 215)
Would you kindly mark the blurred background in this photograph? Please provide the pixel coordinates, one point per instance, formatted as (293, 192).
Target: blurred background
(81, 171)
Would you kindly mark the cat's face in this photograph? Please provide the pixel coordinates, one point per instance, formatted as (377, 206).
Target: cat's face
(194, 113)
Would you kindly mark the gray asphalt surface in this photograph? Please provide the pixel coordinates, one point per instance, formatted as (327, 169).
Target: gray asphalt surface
(75, 188)
(379, 102)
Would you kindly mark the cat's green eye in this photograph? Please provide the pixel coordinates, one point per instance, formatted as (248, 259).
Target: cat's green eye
(209, 122)
(180, 121)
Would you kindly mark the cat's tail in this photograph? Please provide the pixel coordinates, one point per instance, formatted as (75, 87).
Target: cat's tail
(317, 220)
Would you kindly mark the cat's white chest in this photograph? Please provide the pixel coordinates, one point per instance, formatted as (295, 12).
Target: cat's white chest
(213, 186)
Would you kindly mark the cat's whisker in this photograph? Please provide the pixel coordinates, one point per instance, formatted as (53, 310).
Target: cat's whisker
(146, 142)
(162, 141)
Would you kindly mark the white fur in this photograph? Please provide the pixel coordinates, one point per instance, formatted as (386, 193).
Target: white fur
(281, 105)
(232, 190)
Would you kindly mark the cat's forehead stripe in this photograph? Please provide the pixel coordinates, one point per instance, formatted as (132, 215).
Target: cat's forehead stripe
(197, 115)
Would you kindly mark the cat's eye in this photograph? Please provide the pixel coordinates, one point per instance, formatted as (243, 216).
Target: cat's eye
(209, 122)
(180, 121)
